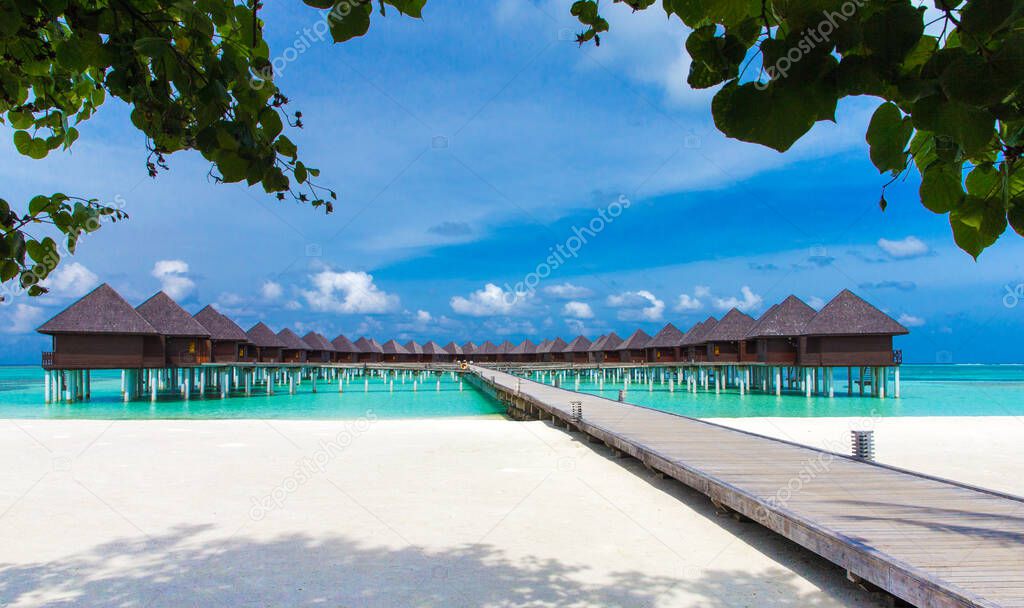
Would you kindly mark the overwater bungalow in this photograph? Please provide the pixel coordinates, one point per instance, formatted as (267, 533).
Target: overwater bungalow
(576, 350)
(693, 340)
(469, 350)
(101, 331)
(727, 340)
(849, 332)
(777, 333)
(415, 352)
(184, 342)
(454, 350)
(294, 349)
(610, 348)
(632, 349)
(595, 352)
(487, 352)
(394, 352)
(524, 352)
(553, 351)
(268, 344)
(228, 342)
(505, 351)
(666, 346)
(434, 352)
(370, 351)
(322, 349)
(345, 351)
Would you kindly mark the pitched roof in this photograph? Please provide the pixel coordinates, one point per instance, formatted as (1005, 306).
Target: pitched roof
(318, 342)
(453, 349)
(732, 328)
(219, 326)
(469, 348)
(848, 314)
(368, 345)
(553, 346)
(292, 341)
(506, 347)
(414, 347)
(101, 311)
(526, 347)
(392, 347)
(787, 318)
(264, 337)
(598, 345)
(487, 348)
(579, 344)
(668, 337)
(433, 348)
(611, 342)
(168, 318)
(344, 345)
(636, 341)
(700, 331)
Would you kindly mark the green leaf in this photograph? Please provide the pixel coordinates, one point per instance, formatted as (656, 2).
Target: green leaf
(941, 188)
(413, 8)
(22, 142)
(774, 116)
(890, 34)
(153, 47)
(348, 21)
(983, 17)
(20, 120)
(888, 135)
(970, 126)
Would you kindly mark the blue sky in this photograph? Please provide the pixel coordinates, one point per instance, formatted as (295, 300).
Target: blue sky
(465, 147)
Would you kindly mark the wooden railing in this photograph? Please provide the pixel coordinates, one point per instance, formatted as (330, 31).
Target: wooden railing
(47, 359)
(897, 357)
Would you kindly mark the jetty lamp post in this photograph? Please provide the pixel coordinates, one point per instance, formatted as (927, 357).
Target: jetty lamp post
(576, 410)
(863, 444)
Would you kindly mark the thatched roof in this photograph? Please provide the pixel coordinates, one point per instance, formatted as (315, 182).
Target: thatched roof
(344, 345)
(433, 348)
(220, 326)
(526, 347)
(413, 347)
(392, 347)
(636, 341)
(579, 344)
(506, 347)
(698, 335)
(848, 314)
(598, 345)
(368, 345)
(101, 311)
(264, 337)
(454, 349)
(732, 328)
(553, 346)
(470, 348)
(668, 337)
(787, 318)
(169, 319)
(292, 341)
(318, 342)
(611, 342)
(487, 348)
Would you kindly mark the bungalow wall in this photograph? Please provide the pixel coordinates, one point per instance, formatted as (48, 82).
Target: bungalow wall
(578, 357)
(829, 351)
(153, 350)
(269, 355)
(186, 352)
(293, 355)
(96, 351)
(782, 351)
(663, 355)
(697, 353)
(632, 356)
(731, 352)
(318, 356)
(345, 357)
(368, 357)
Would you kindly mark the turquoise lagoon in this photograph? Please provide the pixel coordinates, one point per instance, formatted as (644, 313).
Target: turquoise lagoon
(928, 390)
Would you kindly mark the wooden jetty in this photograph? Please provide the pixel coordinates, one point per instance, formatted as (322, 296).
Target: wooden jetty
(928, 541)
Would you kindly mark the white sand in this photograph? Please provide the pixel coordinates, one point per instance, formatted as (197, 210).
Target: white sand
(409, 513)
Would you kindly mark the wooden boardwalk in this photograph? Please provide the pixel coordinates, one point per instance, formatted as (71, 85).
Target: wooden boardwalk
(928, 541)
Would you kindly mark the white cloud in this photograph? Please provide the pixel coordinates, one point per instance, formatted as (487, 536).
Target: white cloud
(271, 290)
(423, 317)
(24, 319)
(637, 305)
(293, 305)
(687, 302)
(71, 280)
(748, 302)
(910, 247)
(910, 320)
(489, 301)
(815, 302)
(567, 291)
(508, 327)
(173, 277)
(578, 310)
(348, 292)
(701, 291)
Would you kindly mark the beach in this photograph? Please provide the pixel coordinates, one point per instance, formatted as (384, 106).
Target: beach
(442, 512)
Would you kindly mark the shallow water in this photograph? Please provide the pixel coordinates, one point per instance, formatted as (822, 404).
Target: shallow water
(927, 390)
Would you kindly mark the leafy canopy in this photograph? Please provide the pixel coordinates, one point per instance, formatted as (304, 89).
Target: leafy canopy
(952, 88)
